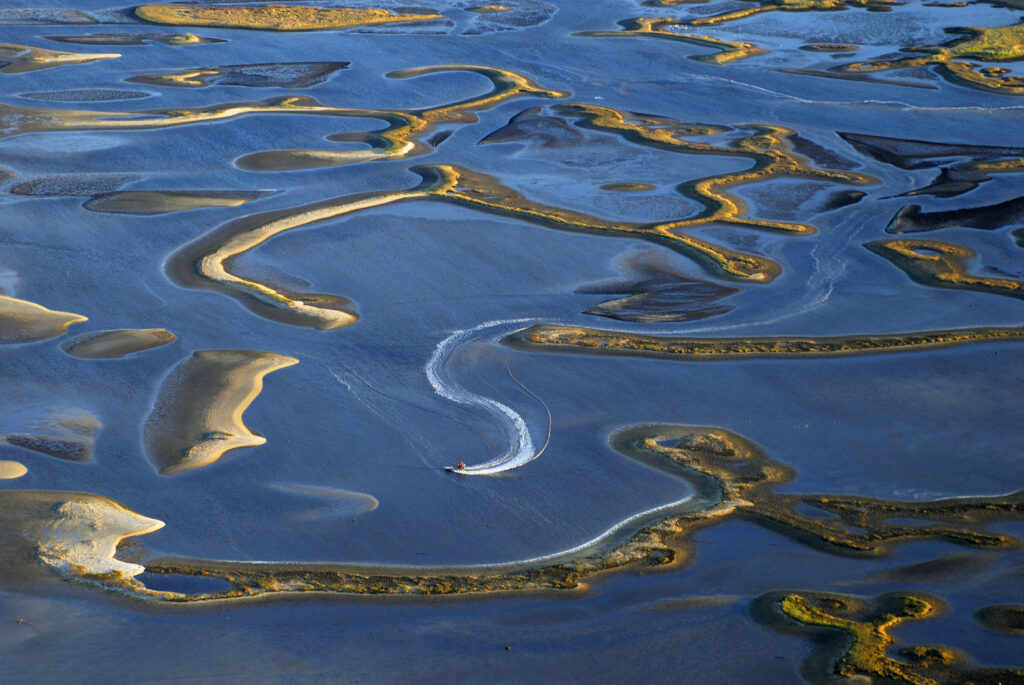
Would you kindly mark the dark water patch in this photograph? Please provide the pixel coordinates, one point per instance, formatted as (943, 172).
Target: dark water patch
(535, 128)
(921, 154)
(952, 182)
(185, 584)
(953, 568)
(654, 292)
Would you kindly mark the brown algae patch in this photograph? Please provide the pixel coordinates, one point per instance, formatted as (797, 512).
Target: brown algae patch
(197, 416)
(485, 9)
(628, 187)
(22, 321)
(558, 338)
(116, 344)
(151, 202)
(9, 470)
(658, 27)
(69, 435)
(274, 17)
(859, 640)
(730, 476)
(942, 265)
(74, 534)
(18, 59)
(770, 149)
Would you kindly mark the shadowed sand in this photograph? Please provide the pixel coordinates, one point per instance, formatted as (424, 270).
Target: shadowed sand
(116, 344)
(72, 533)
(333, 502)
(198, 413)
(150, 202)
(17, 59)
(10, 470)
(22, 321)
(135, 39)
(68, 434)
(274, 17)
(270, 75)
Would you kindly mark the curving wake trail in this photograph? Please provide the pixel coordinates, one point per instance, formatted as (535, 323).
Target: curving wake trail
(521, 449)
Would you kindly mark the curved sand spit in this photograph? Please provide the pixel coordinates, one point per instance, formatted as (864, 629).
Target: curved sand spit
(22, 321)
(73, 533)
(17, 59)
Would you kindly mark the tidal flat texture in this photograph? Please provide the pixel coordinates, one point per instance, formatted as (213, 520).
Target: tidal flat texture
(348, 341)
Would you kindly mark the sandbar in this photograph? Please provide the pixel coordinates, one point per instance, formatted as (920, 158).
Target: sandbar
(116, 344)
(197, 416)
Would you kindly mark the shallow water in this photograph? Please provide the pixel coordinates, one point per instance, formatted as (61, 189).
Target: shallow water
(409, 437)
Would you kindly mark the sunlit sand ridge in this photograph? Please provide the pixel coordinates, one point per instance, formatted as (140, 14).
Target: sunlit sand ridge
(1000, 44)
(868, 649)
(406, 129)
(17, 59)
(273, 17)
(557, 338)
(116, 344)
(729, 477)
(657, 27)
(205, 263)
(942, 265)
(22, 321)
(198, 413)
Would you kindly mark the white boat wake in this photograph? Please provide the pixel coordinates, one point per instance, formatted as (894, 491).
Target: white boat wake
(520, 445)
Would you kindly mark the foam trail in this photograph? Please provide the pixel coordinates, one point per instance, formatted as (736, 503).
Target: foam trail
(520, 450)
